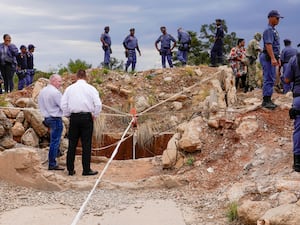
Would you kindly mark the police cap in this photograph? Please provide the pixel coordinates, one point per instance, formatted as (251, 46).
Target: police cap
(31, 46)
(132, 29)
(22, 47)
(274, 13)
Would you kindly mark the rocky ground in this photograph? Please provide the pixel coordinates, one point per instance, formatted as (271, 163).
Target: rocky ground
(251, 169)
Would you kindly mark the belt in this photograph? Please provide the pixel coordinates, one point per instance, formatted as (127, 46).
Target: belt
(80, 113)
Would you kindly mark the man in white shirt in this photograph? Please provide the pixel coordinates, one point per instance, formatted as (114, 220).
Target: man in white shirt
(49, 104)
(81, 102)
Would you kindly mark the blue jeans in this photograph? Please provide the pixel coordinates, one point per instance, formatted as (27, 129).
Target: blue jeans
(56, 126)
(269, 75)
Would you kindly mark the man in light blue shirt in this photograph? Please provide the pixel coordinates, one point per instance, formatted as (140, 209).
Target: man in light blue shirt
(106, 46)
(184, 40)
(49, 104)
(130, 44)
(165, 49)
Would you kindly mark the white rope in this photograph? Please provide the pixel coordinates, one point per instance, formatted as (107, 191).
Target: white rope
(77, 218)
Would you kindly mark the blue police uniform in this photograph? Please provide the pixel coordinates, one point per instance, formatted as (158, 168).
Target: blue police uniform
(292, 74)
(287, 53)
(270, 36)
(131, 43)
(21, 72)
(30, 64)
(216, 54)
(184, 40)
(8, 64)
(165, 48)
(107, 49)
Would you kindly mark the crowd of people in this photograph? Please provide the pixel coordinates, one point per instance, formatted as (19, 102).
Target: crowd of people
(13, 61)
(130, 44)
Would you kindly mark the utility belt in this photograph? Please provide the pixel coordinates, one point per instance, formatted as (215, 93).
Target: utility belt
(22, 73)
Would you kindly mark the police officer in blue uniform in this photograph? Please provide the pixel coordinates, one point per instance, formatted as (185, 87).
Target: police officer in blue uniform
(216, 54)
(30, 63)
(270, 58)
(165, 49)
(130, 43)
(292, 74)
(21, 72)
(286, 53)
(184, 40)
(106, 46)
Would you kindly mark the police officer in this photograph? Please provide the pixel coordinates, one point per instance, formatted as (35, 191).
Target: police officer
(269, 58)
(21, 72)
(30, 64)
(292, 74)
(216, 54)
(8, 62)
(286, 53)
(165, 49)
(252, 51)
(184, 40)
(106, 46)
(130, 43)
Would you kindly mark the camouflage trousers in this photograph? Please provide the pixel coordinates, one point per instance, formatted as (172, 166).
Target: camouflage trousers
(251, 76)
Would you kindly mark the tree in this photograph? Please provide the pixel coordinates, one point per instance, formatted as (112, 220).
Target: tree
(74, 66)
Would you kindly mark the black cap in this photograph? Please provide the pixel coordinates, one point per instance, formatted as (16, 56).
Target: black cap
(22, 47)
(287, 41)
(106, 28)
(131, 29)
(218, 20)
(31, 46)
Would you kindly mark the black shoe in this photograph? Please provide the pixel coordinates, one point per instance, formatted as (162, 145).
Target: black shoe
(269, 105)
(89, 173)
(71, 173)
(57, 167)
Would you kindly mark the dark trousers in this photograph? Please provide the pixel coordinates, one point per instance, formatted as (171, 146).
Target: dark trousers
(7, 72)
(81, 126)
(216, 54)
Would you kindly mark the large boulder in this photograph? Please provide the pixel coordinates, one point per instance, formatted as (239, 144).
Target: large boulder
(35, 119)
(30, 138)
(288, 214)
(191, 137)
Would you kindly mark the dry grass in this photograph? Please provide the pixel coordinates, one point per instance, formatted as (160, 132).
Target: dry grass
(145, 135)
(99, 128)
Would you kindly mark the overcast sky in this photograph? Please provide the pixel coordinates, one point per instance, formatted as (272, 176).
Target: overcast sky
(70, 29)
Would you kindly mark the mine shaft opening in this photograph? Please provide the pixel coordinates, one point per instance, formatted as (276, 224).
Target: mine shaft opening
(126, 151)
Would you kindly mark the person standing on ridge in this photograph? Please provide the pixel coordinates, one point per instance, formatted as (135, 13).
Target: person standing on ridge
(184, 40)
(165, 49)
(130, 44)
(270, 58)
(30, 64)
(216, 54)
(106, 46)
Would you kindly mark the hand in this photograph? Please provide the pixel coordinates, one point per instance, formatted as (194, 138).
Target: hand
(274, 62)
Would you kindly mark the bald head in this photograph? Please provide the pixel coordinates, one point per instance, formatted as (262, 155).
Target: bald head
(55, 80)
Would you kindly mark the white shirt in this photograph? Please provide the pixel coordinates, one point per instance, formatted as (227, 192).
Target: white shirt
(49, 101)
(81, 97)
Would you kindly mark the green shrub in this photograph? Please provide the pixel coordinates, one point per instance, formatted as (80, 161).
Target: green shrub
(231, 213)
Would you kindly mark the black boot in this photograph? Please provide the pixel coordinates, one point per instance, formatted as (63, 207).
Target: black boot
(296, 165)
(267, 103)
(237, 79)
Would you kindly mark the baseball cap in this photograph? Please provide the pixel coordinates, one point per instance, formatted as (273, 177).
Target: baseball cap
(31, 46)
(274, 13)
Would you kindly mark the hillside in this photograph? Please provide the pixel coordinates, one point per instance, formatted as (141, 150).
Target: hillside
(246, 159)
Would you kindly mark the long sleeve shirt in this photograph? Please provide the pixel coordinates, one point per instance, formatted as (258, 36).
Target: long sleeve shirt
(49, 101)
(81, 97)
